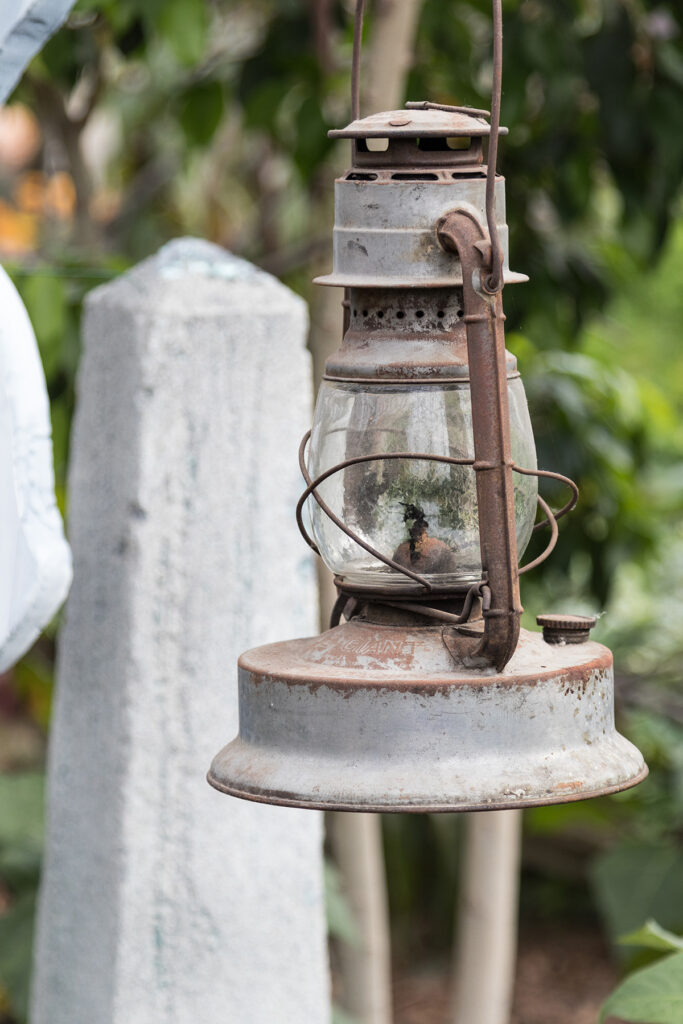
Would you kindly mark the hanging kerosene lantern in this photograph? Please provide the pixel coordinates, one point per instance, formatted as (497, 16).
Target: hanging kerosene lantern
(425, 695)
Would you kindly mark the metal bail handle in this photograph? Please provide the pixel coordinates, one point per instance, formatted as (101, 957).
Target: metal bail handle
(494, 281)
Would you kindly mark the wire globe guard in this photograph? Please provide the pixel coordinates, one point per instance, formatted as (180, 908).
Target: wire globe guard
(368, 718)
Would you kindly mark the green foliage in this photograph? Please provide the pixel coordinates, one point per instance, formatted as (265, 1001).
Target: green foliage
(422, 857)
(656, 990)
(653, 936)
(658, 804)
(21, 812)
(183, 24)
(592, 95)
(341, 925)
(21, 835)
(609, 417)
(16, 944)
(340, 921)
(653, 995)
(637, 881)
(201, 112)
(340, 1016)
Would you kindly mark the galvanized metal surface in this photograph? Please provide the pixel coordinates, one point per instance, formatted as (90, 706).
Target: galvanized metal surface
(385, 231)
(369, 717)
(405, 335)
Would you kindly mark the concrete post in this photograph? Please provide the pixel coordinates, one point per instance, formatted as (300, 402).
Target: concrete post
(164, 902)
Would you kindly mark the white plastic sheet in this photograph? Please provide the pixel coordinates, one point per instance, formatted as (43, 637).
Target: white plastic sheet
(35, 561)
(25, 27)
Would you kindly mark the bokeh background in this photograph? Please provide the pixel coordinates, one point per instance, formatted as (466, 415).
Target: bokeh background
(143, 120)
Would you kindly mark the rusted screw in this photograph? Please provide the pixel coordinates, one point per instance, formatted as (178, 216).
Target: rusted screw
(566, 629)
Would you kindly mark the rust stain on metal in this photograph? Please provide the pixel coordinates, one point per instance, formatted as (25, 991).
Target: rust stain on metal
(361, 656)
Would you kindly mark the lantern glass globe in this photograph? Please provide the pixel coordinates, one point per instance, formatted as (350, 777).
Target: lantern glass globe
(422, 514)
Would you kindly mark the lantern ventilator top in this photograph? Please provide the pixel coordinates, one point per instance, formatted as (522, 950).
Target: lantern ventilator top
(420, 120)
(388, 205)
(420, 497)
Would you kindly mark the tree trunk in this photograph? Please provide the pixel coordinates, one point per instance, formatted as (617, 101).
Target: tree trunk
(391, 54)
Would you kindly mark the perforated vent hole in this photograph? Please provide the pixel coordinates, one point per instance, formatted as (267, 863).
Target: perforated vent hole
(414, 176)
(451, 314)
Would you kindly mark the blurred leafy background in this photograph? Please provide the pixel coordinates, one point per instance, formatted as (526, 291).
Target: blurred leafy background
(141, 121)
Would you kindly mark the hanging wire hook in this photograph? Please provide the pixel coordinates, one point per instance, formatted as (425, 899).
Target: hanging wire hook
(494, 281)
(355, 64)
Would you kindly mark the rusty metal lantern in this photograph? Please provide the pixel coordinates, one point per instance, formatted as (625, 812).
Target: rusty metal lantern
(421, 492)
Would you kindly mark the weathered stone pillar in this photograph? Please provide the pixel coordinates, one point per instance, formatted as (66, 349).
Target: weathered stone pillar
(164, 902)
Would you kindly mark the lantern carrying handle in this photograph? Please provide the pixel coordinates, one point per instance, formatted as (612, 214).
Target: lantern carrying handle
(494, 280)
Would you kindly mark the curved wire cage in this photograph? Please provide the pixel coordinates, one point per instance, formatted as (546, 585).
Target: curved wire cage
(312, 485)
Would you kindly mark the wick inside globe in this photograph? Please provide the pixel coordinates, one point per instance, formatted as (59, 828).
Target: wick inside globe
(421, 552)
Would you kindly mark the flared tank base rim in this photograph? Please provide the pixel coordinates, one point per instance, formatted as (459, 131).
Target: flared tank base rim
(379, 804)
(380, 718)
